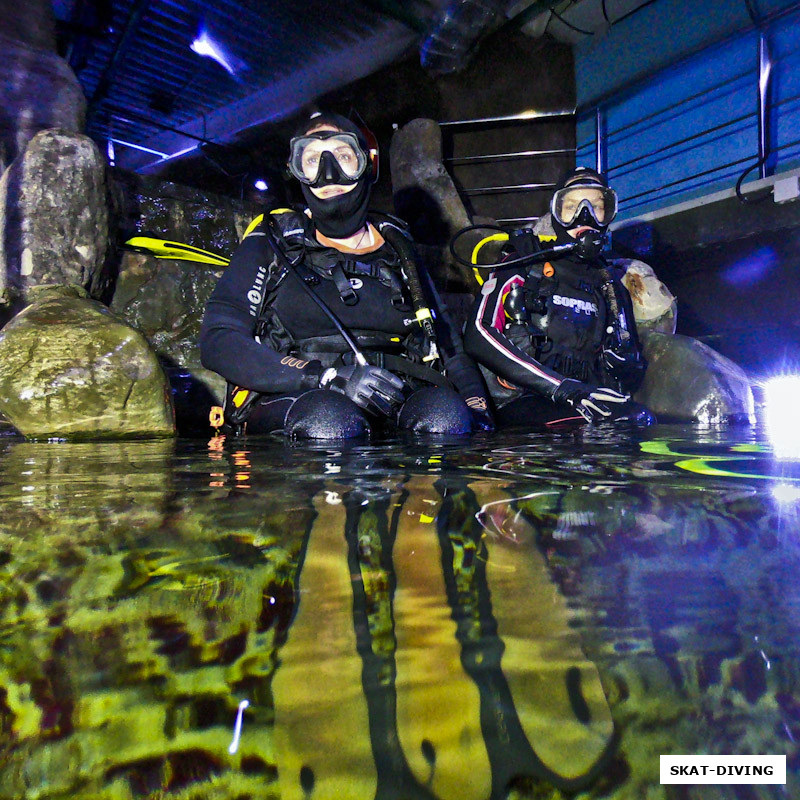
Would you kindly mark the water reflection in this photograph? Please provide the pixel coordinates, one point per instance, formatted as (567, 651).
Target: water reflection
(511, 618)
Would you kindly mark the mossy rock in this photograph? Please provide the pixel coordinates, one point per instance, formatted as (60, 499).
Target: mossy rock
(71, 369)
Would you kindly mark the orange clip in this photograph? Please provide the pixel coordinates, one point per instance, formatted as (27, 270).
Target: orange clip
(216, 417)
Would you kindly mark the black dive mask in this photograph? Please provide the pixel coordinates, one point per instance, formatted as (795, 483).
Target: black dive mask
(339, 157)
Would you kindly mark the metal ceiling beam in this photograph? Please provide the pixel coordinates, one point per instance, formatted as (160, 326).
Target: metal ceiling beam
(397, 12)
(283, 98)
(131, 26)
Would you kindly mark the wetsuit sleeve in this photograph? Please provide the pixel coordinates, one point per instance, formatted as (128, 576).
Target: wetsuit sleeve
(227, 345)
(486, 342)
(461, 369)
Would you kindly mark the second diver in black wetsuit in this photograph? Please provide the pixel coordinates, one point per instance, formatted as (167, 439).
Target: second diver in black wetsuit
(559, 337)
(324, 325)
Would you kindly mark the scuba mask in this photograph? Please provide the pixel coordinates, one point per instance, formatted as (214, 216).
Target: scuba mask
(582, 207)
(346, 156)
(328, 157)
(584, 204)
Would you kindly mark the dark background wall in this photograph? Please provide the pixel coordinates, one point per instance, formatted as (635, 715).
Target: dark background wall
(735, 269)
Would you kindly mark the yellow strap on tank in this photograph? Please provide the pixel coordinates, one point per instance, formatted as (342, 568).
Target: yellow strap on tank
(495, 237)
(260, 218)
(240, 396)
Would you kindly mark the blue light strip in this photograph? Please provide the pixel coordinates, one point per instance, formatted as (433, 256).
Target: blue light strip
(139, 147)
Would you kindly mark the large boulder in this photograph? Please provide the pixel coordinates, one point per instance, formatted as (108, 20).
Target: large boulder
(71, 369)
(426, 197)
(53, 217)
(687, 381)
(654, 306)
(164, 298)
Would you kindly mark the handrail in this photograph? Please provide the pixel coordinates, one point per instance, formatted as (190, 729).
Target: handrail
(461, 160)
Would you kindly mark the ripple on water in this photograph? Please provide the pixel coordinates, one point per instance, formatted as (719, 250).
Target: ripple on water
(536, 613)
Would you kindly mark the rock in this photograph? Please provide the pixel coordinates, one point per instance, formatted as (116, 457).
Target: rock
(687, 381)
(165, 301)
(544, 226)
(53, 216)
(71, 369)
(654, 306)
(426, 197)
(181, 213)
(40, 90)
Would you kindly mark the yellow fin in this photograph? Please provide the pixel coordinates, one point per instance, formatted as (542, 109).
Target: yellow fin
(164, 248)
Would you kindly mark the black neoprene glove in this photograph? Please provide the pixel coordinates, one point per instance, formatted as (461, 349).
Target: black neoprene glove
(372, 388)
(593, 403)
(626, 367)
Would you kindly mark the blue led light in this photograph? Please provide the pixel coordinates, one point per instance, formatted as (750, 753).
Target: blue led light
(204, 45)
(261, 185)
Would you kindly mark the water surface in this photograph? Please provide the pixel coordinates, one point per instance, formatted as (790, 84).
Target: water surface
(520, 615)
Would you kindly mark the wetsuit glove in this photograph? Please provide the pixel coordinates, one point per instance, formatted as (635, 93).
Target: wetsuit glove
(369, 387)
(467, 380)
(480, 414)
(626, 367)
(593, 403)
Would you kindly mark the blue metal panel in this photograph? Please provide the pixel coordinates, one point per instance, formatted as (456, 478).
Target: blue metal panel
(651, 39)
(692, 128)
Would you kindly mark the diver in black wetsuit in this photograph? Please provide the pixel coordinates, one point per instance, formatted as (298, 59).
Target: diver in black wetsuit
(324, 325)
(560, 336)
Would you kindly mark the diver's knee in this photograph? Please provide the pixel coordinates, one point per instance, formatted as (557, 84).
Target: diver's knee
(322, 414)
(435, 410)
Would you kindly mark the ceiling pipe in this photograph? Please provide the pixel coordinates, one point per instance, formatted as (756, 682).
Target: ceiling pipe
(455, 31)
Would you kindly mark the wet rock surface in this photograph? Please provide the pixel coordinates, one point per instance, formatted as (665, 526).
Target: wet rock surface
(687, 381)
(165, 298)
(70, 368)
(654, 306)
(54, 217)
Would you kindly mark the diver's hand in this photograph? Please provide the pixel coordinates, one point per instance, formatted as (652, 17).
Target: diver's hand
(482, 419)
(369, 387)
(625, 367)
(593, 403)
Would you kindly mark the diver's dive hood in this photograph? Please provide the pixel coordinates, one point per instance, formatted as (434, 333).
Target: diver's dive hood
(342, 215)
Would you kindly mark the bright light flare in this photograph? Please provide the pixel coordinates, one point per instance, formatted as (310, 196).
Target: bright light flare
(786, 494)
(782, 414)
(261, 185)
(204, 45)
